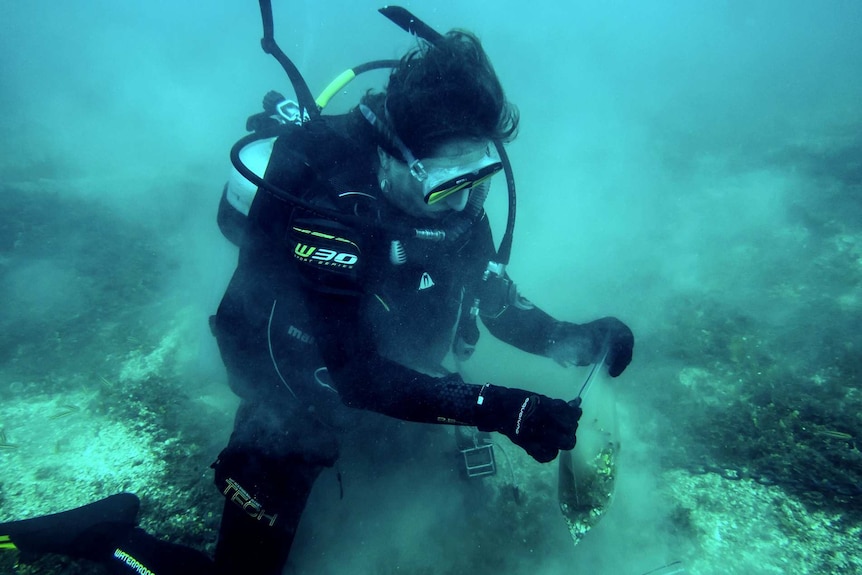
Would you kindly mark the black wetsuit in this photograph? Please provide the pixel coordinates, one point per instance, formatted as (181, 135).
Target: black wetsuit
(321, 316)
(310, 292)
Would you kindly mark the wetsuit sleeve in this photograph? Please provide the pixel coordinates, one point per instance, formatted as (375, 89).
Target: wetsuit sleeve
(524, 326)
(366, 380)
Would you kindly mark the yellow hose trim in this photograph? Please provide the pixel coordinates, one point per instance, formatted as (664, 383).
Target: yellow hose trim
(334, 87)
(317, 234)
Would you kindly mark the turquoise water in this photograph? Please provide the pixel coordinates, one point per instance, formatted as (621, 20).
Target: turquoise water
(695, 171)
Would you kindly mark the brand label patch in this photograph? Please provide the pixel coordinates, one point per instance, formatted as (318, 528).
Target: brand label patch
(426, 281)
(326, 250)
(244, 501)
(297, 333)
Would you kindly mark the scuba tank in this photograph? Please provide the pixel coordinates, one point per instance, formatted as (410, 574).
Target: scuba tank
(277, 111)
(239, 192)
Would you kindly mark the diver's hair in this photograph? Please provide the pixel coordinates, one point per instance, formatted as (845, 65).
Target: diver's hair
(443, 91)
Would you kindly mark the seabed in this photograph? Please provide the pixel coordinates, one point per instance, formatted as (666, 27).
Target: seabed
(739, 429)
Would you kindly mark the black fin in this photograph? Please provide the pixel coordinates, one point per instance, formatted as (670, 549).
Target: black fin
(88, 531)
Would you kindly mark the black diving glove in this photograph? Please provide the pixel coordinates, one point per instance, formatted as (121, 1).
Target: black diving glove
(583, 344)
(540, 425)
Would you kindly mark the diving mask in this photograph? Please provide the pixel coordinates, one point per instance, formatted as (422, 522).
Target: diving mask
(440, 183)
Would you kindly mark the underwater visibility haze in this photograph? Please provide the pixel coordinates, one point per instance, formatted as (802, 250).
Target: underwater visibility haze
(694, 169)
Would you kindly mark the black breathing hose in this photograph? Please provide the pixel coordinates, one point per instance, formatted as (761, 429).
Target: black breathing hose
(285, 196)
(504, 252)
(270, 46)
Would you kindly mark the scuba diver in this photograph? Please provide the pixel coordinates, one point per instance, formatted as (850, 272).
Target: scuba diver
(365, 260)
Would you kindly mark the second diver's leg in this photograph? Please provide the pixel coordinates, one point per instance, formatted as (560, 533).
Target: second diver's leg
(140, 552)
(104, 532)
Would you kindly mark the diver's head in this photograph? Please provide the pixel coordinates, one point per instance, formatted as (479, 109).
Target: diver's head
(442, 110)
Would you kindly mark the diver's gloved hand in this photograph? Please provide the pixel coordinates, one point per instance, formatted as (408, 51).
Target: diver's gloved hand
(540, 425)
(583, 344)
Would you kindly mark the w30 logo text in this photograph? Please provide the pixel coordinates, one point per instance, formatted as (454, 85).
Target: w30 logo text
(323, 256)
